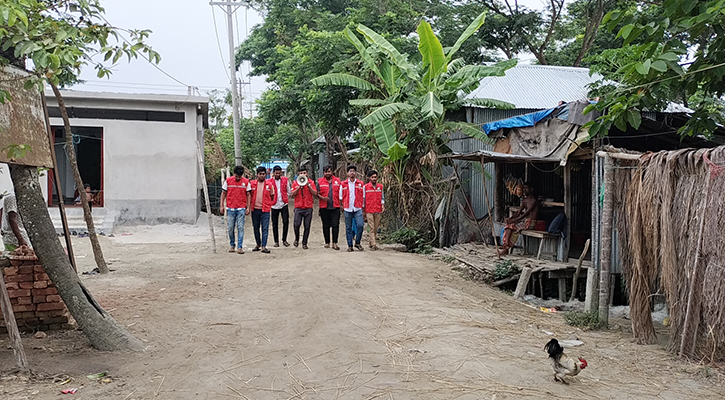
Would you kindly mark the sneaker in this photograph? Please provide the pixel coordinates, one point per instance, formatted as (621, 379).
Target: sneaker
(359, 247)
(256, 248)
(265, 251)
(276, 245)
(349, 249)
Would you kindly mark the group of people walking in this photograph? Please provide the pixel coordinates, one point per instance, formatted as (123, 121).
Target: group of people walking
(267, 199)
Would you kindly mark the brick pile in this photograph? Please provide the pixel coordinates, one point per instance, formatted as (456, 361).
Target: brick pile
(36, 303)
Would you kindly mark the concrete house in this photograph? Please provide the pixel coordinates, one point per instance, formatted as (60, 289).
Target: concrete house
(138, 153)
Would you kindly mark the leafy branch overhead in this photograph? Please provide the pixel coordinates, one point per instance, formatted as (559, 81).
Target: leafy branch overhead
(415, 96)
(61, 37)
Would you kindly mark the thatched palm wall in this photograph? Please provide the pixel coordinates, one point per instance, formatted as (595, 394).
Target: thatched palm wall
(671, 222)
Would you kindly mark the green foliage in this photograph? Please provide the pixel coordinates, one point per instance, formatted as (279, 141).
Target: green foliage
(680, 56)
(257, 142)
(413, 240)
(61, 37)
(17, 151)
(504, 269)
(586, 319)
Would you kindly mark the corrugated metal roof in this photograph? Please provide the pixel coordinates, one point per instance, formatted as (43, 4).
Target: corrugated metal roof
(537, 86)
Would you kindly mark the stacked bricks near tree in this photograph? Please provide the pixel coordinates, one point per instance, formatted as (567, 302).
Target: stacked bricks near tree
(36, 303)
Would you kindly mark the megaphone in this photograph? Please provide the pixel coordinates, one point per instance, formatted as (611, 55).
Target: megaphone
(302, 180)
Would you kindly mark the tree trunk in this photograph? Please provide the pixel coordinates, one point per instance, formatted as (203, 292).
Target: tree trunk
(100, 328)
(330, 149)
(606, 241)
(593, 22)
(97, 252)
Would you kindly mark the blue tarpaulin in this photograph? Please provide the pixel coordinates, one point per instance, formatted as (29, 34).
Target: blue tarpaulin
(518, 121)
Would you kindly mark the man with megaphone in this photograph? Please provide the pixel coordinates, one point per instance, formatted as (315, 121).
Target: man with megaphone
(304, 194)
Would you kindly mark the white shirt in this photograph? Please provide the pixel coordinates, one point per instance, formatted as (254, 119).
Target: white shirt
(351, 188)
(10, 205)
(280, 203)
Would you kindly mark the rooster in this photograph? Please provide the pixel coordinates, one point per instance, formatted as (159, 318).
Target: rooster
(563, 365)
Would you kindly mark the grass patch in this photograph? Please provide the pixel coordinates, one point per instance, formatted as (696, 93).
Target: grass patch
(585, 319)
(414, 242)
(504, 269)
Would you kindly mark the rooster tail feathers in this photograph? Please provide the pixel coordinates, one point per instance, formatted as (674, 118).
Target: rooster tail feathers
(554, 349)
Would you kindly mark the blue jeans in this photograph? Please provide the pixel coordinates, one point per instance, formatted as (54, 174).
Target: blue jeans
(260, 220)
(357, 216)
(236, 217)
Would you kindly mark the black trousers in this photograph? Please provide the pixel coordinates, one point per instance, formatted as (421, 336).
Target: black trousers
(284, 211)
(303, 215)
(330, 221)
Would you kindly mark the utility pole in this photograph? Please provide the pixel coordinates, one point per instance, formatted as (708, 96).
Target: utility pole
(230, 7)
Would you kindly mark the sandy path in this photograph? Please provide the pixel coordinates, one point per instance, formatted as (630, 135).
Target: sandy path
(321, 324)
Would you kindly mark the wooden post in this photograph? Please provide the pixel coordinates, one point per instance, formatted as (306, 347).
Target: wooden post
(206, 197)
(523, 282)
(498, 203)
(591, 300)
(7, 308)
(56, 182)
(562, 289)
(578, 270)
(488, 207)
(567, 210)
(606, 240)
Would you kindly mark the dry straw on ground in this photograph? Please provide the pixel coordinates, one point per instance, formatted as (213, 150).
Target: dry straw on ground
(671, 224)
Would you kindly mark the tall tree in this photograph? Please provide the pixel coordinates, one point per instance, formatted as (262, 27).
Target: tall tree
(680, 58)
(60, 37)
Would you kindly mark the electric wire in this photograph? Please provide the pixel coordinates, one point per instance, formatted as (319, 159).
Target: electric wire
(218, 43)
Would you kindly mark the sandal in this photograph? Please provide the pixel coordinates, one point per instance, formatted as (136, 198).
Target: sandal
(265, 251)
(240, 251)
(232, 249)
(335, 246)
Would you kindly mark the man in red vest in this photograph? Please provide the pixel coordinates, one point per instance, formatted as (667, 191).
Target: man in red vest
(282, 187)
(261, 199)
(374, 205)
(352, 197)
(328, 188)
(304, 201)
(235, 195)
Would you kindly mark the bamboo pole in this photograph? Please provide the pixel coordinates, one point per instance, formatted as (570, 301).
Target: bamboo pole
(58, 188)
(7, 308)
(488, 207)
(606, 240)
(206, 197)
(578, 270)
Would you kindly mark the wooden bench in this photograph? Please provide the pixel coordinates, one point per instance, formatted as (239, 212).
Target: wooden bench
(543, 237)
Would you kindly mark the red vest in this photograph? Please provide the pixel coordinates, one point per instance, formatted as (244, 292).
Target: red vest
(237, 192)
(373, 198)
(346, 193)
(268, 197)
(283, 182)
(303, 198)
(325, 191)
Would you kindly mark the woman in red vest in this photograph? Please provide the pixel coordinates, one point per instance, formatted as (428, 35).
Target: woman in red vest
(235, 195)
(328, 188)
(352, 197)
(261, 199)
(374, 206)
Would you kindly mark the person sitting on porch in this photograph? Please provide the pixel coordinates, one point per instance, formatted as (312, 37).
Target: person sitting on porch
(524, 218)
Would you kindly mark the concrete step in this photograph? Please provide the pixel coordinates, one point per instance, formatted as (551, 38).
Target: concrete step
(76, 222)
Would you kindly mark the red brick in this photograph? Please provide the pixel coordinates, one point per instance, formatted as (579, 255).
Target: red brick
(19, 278)
(53, 298)
(54, 320)
(27, 314)
(25, 285)
(38, 268)
(12, 285)
(42, 327)
(26, 307)
(40, 284)
(39, 276)
(50, 306)
(68, 326)
(14, 301)
(11, 271)
(31, 321)
(25, 300)
(57, 313)
(44, 292)
(39, 299)
(25, 269)
(16, 263)
(51, 284)
(41, 314)
(19, 293)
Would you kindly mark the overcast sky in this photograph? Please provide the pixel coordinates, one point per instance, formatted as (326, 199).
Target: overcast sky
(184, 35)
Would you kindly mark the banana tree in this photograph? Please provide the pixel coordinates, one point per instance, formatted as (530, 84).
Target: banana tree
(407, 102)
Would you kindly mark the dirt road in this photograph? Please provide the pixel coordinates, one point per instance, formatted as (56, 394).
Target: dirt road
(321, 324)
